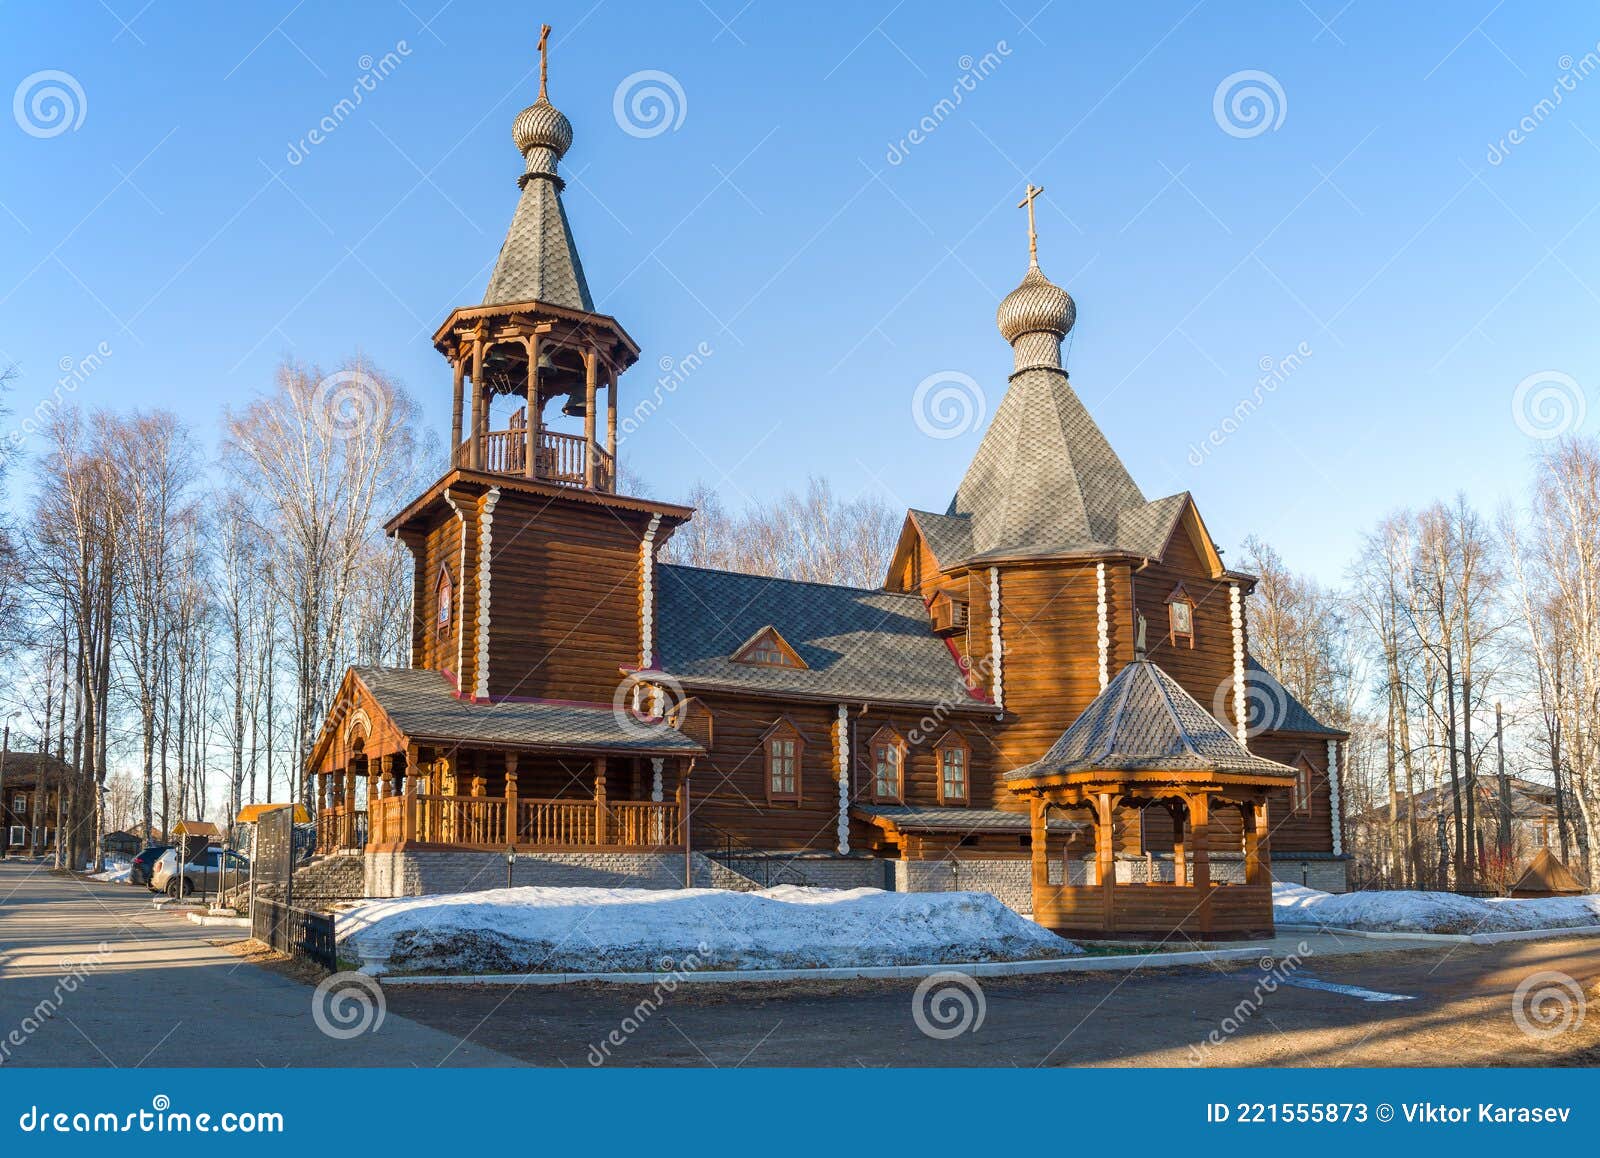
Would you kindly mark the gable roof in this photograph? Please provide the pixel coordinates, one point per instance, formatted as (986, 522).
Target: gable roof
(1145, 722)
(424, 706)
(858, 644)
(1271, 707)
(1546, 874)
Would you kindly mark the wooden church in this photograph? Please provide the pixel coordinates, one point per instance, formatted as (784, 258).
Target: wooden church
(1051, 697)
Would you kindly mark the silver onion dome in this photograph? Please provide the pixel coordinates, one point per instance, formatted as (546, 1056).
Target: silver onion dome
(542, 126)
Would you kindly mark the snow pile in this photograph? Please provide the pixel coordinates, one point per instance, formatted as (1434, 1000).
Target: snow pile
(570, 930)
(1404, 911)
(117, 872)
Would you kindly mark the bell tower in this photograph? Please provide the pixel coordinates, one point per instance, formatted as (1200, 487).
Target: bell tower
(536, 335)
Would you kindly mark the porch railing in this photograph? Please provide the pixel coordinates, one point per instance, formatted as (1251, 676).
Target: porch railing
(480, 822)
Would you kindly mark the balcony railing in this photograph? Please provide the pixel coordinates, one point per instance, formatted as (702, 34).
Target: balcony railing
(561, 458)
(480, 822)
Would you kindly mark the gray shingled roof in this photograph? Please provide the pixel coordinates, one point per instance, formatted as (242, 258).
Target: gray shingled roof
(859, 645)
(1271, 708)
(1045, 481)
(539, 260)
(1145, 722)
(949, 537)
(424, 706)
(914, 818)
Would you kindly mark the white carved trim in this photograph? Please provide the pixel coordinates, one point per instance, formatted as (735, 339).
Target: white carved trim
(1333, 798)
(995, 644)
(843, 742)
(455, 589)
(655, 778)
(1240, 714)
(485, 546)
(1103, 628)
(647, 600)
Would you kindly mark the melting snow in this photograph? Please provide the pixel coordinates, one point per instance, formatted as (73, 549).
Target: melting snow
(1405, 911)
(559, 930)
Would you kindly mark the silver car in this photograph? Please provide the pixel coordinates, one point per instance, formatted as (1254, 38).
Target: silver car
(208, 872)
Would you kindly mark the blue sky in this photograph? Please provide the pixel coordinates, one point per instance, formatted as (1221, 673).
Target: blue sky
(1366, 225)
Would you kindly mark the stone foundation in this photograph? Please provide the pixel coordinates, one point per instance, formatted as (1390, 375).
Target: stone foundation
(1010, 880)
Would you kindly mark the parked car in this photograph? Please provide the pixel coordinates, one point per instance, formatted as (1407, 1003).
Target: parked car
(144, 863)
(207, 873)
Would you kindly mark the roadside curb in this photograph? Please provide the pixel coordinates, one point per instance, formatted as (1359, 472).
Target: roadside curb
(1083, 964)
(1459, 938)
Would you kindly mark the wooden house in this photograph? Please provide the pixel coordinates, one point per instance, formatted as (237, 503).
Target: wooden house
(1051, 695)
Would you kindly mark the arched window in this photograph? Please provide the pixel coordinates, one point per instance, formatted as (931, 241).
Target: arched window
(783, 749)
(445, 596)
(1300, 793)
(887, 753)
(954, 758)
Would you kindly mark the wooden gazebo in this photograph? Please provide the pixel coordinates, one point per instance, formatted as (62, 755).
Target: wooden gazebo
(1145, 743)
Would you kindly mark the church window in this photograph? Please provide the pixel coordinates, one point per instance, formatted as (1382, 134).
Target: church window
(446, 601)
(888, 753)
(953, 756)
(784, 749)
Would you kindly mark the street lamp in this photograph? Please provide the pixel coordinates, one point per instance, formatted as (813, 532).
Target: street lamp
(511, 863)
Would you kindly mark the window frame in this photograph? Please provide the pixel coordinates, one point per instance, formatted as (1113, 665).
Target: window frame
(887, 737)
(444, 597)
(1174, 635)
(783, 729)
(1304, 786)
(953, 741)
(769, 639)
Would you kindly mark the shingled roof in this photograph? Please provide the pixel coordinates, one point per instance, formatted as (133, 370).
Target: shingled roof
(423, 705)
(920, 818)
(858, 644)
(539, 260)
(1274, 709)
(1145, 722)
(1045, 481)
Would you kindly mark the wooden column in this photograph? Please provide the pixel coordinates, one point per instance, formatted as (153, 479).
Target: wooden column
(1105, 854)
(602, 814)
(1200, 838)
(348, 820)
(1263, 841)
(611, 428)
(1039, 828)
(386, 779)
(480, 408)
(686, 768)
(530, 452)
(591, 375)
(512, 831)
(408, 808)
(1180, 846)
(455, 412)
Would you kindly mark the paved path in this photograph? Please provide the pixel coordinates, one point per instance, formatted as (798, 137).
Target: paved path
(132, 987)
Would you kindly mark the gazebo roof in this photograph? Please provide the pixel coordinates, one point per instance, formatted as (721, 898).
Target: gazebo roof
(1145, 722)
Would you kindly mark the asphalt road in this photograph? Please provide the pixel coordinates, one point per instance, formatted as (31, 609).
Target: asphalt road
(91, 975)
(1458, 1010)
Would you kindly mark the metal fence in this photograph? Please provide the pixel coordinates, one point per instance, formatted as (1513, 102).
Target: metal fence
(274, 918)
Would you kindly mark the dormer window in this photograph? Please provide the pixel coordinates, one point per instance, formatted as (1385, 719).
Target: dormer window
(445, 593)
(769, 649)
(1180, 617)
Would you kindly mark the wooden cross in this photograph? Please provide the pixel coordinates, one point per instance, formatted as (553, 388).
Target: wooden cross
(544, 60)
(1033, 236)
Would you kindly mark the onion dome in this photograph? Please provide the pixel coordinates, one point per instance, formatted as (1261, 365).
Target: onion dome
(1037, 305)
(542, 126)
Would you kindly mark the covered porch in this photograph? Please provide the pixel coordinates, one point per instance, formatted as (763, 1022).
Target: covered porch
(1145, 744)
(414, 767)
